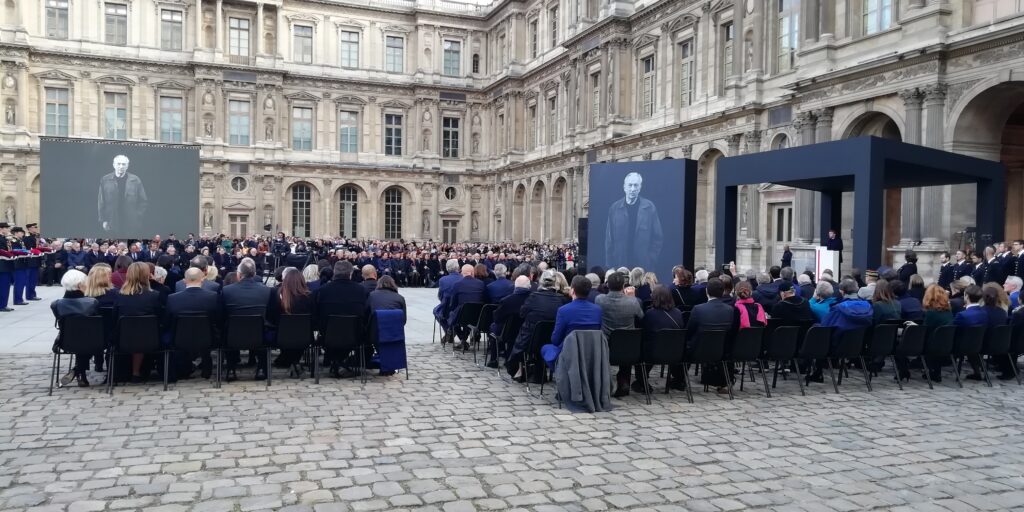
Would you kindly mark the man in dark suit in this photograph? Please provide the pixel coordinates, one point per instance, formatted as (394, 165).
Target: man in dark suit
(369, 282)
(199, 262)
(633, 233)
(834, 243)
(122, 200)
(501, 287)
(247, 297)
(946, 270)
(508, 311)
(343, 297)
(993, 268)
(193, 299)
(468, 290)
(445, 286)
(713, 315)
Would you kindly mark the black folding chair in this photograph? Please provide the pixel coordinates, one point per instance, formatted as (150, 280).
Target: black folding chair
(849, 345)
(245, 332)
(967, 345)
(295, 332)
(136, 335)
(709, 349)
(910, 345)
(816, 344)
(938, 346)
(781, 346)
(507, 336)
(1016, 349)
(467, 318)
(193, 334)
(880, 347)
(541, 336)
(667, 348)
(341, 336)
(79, 334)
(481, 326)
(746, 348)
(625, 351)
(996, 344)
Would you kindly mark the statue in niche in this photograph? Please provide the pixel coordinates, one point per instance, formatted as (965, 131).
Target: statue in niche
(426, 140)
(268, 218)
(268, 130)
(426, 221)
(9, 216)
(207, 217)
(9, 115)
(426, 116)
(208, 127)
(10, 83)
(748, 51)
(476, 143)
(475, 219)
(476, 120)
(743, 209)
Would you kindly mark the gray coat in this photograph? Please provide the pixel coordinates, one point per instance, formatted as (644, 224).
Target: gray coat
(582, 375)
(618, 311)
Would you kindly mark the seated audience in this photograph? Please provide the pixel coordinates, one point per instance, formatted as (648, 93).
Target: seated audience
(541, 306)
(508, 311)
(137, 299)
(1012, 286)
(342, 297)
(662, 315)
(792, 309)
(445, 289)
(751, 314)
(193, 300)
(386, 296)
(471, 289)
(247, 297)
(203, 264)
(501, 287)
(292, 297)
(619, 311)
(74, 303)
(884, 306)
(910, 306)
(822, 301)
(580, 314)
(714, 315)
(915, 288)
(806, 287)
(369, 274)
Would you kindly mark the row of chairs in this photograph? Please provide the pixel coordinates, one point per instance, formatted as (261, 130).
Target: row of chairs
(194, 334)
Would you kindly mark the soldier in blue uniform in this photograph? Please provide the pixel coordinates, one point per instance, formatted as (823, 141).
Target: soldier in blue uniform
(21, 263)
(6, 266)
(31, 241)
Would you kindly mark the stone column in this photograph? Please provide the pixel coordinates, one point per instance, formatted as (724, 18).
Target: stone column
(258, 35)
(803, 206)
(738, 39)
(932, 210)
(828, 20)
(753, 145)
(199, 24)
(220, 27)
(910, 198)
(809, 14)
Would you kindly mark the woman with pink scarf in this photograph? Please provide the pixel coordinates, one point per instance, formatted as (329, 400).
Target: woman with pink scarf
(751, 313)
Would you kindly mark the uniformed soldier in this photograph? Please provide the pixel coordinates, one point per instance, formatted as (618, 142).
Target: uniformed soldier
(21, 263)
(6, 266)
(31, 242)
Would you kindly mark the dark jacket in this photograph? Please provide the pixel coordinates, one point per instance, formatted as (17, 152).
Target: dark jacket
(713, 315)
(192, 301)
(509, 309)
(658, 319)
(341, 297)
(767, 295)
(468, 290)
(910, 309)
(886, 311)
(246, 297)
(142, 304)
(499, 289)
(387, 299)
(74, 304)
(124, 214)
(907, 270)
(541, 306)
(369, 285)
(302, 305)
(971, 317)
(645, 233)
(946, 275)
(794, 310)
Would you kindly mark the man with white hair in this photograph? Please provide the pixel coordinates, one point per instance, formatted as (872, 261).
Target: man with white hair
(74, 303)
(633, 229)
(445, 287)
(1013, 285)
(501, 287)
(121, 201)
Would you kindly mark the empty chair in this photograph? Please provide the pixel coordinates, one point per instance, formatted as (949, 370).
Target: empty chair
(295, 333)
(781, 346)
(880, 347)
(746, 348)
(1016, 349)
(79, 334)
(245, 332)
(967, 345)
(541, 336)
(666, 348)
(816, 344)
(193, 335)
(938, 346)
(709, 349)
(341, 336)
(996, 344)
(136, 335)
(909, 345)
(480, 327)
(847, 346)
(625, 350)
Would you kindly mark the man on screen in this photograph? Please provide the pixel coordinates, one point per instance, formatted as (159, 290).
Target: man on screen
(633, 234)
(122, 200)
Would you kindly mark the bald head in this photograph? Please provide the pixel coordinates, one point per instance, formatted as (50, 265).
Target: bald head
(194, 277)
(467, 270)
(522, 282)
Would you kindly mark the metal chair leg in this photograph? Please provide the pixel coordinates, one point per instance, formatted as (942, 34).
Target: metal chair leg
(270, 375)
(220, 365)
(1013, 368)
(927, 371)
(775, 375)
(867, 376)
(799, 377)
(644, 379)
(167, 360)
(764, 378)
(728, 378)
(956, 372)
(110, 372)
(53, 373)
(686, 380)
(743, 373)
(832, 373)
(984, 370)
(896, 370)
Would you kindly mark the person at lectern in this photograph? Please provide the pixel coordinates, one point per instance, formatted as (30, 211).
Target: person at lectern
(633, 234)
(834, 243)
(122, 200)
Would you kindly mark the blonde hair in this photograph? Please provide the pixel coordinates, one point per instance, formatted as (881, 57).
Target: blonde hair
(211, 273)
(98, 283)
(651, 279)
(136, 280)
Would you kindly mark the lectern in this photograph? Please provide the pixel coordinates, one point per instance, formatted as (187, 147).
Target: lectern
(825, 259)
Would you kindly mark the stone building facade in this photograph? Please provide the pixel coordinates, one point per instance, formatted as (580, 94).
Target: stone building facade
(456, 120)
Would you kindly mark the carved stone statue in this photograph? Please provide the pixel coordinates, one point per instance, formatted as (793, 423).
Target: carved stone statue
(10, 83)
(426, 222)
(268, 128)
(208, 127)
(426, 116)
(9, 216)
(426, 140)
(743, 209)
(476, 143)
(476, 222)
(268, 218)
(207, 218)
(9, 116)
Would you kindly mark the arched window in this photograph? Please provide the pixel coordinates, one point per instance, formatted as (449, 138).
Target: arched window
(393, 213)
(301, 210)
(349, 211)
(476, 62)
(780, 142)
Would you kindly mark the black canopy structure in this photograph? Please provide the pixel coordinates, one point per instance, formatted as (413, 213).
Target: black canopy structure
(865, 166)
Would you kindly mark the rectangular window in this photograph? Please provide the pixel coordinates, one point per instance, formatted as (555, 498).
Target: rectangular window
(877, 15)
(553, 16)
(452, 58)
(394, 54)
(531, 132)
(392, 134)
(302, 128)
(171, 116)
(647, 86)
(502, 134)
(986, 11)
(727, 42)
(686, 73)
(116, 23)
(533, 39)
(115, 115)
(57, 19)
(788, 33)
(450, 137)
(552, 119)
(238, 37)
(349, 49)
(57, 116)
(348, 131)
(303, 45)
(172, 31)
(595, 87)
(238, 123)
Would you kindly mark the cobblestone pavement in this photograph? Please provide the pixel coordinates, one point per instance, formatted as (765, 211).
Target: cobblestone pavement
(454, 438)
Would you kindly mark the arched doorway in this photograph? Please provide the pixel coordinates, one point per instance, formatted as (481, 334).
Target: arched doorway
(518, 216)
(707, 167)
(537, 202)
(991, 126)
(558, 220)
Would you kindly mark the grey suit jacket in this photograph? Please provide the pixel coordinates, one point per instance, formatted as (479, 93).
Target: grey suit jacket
(618, 311)
(582, 375)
